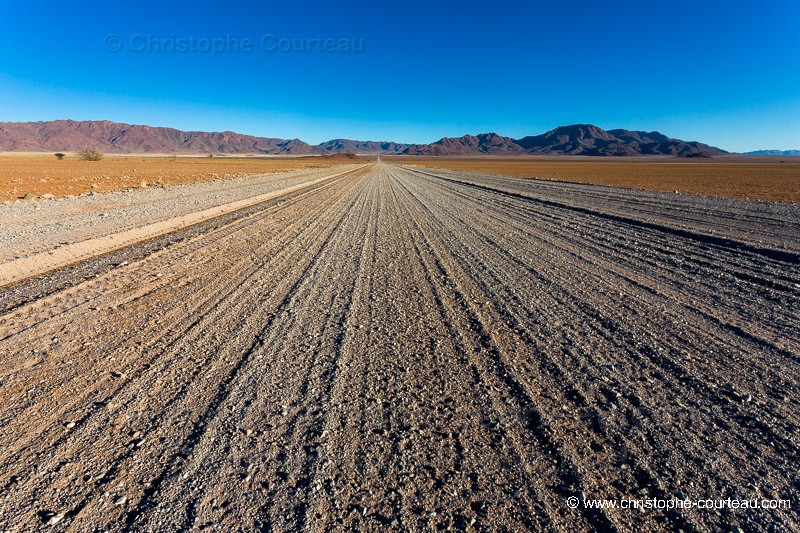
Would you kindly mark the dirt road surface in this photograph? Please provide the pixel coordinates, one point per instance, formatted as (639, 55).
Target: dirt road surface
(413, 350)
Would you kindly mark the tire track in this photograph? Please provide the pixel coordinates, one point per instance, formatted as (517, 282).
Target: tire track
(412, 350)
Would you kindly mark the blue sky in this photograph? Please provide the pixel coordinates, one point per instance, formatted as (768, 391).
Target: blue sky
(726, 73)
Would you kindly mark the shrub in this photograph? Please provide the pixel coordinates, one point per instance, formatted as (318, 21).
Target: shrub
(59, 155)
(89, 153)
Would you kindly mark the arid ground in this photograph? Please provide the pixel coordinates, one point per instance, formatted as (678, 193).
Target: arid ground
(774, 179)
(43, 174)
(373, 347)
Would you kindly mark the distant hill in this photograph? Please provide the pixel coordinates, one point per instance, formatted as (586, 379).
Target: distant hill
(485, 143)
(587, 139)
(363, 147)
(773, 152)
(578, 139)
(114, 137)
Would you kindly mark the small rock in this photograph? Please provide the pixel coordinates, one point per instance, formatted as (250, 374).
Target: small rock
(394, 522)
(69, 425)
(735, 529)
(30, 196)
(47, 196)
(122, 500)
(55, 519)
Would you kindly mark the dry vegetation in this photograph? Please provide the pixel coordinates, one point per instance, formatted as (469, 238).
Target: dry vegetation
(775, 179)
(43, 174)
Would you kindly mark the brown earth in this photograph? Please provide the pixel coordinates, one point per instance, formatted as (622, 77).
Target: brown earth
(767, 178)
(413, 350)
(43, 174)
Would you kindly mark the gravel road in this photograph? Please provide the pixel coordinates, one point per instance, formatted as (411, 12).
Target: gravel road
(30, 227)
(413, 349)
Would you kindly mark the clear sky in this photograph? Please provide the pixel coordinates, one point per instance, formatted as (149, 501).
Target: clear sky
(722, 72)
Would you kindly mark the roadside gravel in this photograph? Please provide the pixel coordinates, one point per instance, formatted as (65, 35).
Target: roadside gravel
(413, 350)
(35, 226)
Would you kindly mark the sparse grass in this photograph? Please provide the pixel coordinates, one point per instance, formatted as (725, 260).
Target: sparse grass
(734, 177)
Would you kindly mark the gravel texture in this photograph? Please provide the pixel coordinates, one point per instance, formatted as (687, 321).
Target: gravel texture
(30, 227)
(414, 350)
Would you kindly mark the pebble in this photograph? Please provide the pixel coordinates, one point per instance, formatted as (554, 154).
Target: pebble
(69, 425)
(122, 500)
(55, 519)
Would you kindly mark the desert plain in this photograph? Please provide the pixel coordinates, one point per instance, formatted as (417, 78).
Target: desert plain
(406, 344)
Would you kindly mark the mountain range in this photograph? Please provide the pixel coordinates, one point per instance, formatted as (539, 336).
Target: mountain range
(578, 139)
(773, 152)
(113, 137)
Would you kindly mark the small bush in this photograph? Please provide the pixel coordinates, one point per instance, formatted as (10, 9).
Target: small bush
(210, 156)
(59, 155)
(89, 153)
